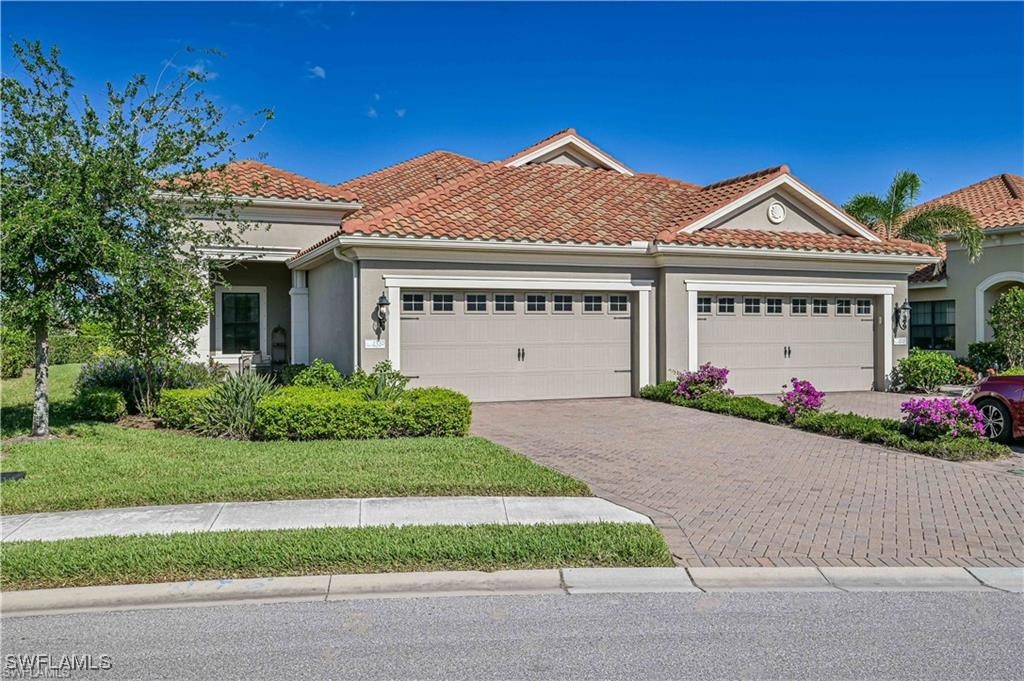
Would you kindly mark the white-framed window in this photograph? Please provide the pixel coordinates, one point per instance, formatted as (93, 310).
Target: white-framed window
(592, 304)
(504, 302)
(726, 305)
(562, 302)
(618, 303)
(442, 302)
(476, 302)
(844, 307)
(240, 314)
(798, 306)
(751, 306)
(864, 307)
(536, 302)
(412, 302)
(819, 306)
(773, 306)
(703, 304)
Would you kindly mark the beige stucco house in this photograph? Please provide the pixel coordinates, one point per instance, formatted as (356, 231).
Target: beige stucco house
(950, 301)
(559, 272)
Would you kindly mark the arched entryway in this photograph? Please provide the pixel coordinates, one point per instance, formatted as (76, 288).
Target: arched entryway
(986, 294)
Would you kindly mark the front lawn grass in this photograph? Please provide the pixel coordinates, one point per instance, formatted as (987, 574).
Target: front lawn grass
(228, 555)
(103, 466)
(16, 399)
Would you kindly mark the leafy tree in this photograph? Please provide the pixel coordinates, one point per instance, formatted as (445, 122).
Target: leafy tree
(926, 225)
(1007, 320)
(93, 194)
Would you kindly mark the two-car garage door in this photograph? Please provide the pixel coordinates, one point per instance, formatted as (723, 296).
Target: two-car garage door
(767, 339)
(518, 345)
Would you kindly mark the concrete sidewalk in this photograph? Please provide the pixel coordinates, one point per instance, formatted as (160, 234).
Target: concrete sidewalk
(306, 513)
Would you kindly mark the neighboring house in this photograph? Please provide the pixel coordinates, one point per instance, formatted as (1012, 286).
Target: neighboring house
(559, 273)
(950, 301)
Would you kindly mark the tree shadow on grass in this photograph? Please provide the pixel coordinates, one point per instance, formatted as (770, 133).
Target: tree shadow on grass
(17, 419)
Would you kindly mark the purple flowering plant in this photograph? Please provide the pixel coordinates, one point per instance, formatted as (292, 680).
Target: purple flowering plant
(946, 417)
(802, 396)
(706, 379)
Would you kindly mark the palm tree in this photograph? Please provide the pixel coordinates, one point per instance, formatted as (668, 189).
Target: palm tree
(926, 225)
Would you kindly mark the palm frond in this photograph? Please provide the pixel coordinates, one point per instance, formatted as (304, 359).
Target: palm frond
(903, 192)
(867, 208)
(929, 224)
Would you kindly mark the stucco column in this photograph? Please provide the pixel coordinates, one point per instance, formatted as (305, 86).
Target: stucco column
(691, 330)
(202, 336)
(394, 341)
(299, 295)
(888, 338)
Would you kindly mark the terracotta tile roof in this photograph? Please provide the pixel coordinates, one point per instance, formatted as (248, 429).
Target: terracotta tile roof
(711, 197)
(394, 183)
(798, 241)
(995, 202)
(568, 132)
(256, 179)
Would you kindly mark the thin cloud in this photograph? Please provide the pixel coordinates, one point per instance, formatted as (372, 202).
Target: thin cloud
(372, 113)
(401, 112)
(318, 72)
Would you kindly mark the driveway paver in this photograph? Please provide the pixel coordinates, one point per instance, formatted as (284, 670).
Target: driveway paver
(731, 492)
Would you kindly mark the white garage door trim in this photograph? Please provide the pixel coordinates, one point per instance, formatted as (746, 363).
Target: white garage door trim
(395, 282)
(693, 287)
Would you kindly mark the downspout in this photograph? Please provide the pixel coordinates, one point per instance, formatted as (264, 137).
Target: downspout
(355, 304)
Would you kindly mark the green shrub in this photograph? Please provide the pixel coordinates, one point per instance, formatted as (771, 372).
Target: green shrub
(926, 370)
(299, 413)
(753, 408)
(965, 375)
(73, 348)
(1007, 320)
(660, 392)
(100, 404)
(286, 375)
(122, 373)
(434, 412)
(230, 408)
(1013, 371)
(182, 408)
(16, 349)
(985, 355)
(383, 383)
(319, 374)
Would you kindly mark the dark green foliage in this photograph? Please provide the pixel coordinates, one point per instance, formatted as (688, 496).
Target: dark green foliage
(661, 392)
(79, 346)
(319, 374)
(383, 383)
(299, 413)
(926, 370)
(16, 347)
(287, 374)
(230, 408)
(100, 404)
(182, 408)
(753, 408)
(1007, 320)
(985, 355)
(125, 375)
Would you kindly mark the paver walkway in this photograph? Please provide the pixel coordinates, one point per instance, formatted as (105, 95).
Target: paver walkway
(281, 515)
(731, 492)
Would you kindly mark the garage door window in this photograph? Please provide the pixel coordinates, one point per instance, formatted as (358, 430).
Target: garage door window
(798, 306)
(773, 306)
(563, 303)
(592, 303)
(443, 302)
(844, 307)
(476, 302)
(819, 306)
(864, 307)
(704, 305)
(933, 325)
(535, 303)
(618, 304)
(751, 306)
(504, 302)
(412, 302)
(726, 306)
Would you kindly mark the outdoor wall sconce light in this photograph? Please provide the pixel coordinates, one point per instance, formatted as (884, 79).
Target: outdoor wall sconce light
(381, 312)
(901, 316)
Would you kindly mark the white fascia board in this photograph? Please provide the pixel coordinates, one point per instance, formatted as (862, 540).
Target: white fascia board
(787, 287)
(572, 141)
(670, 249)
(265, 253)
(794, 185)
(913, 286)
(515, 283)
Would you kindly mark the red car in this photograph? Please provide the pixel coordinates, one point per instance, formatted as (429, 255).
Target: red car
(1001, 401)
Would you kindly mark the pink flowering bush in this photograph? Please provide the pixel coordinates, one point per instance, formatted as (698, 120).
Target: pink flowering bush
(706, 379)
(801, 397)
(937, 418)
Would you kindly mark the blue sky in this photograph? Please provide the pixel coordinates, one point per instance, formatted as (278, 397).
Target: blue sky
(846, 94)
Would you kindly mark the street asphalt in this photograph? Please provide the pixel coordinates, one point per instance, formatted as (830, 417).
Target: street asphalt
(877, 635)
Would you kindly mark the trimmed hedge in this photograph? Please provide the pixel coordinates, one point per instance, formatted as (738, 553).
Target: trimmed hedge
(297, 413)
(74, 348)
(182, 408)
(849, 426)
(101, 404)
(16, 352)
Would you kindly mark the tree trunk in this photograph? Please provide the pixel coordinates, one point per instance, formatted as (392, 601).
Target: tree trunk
(41, 405)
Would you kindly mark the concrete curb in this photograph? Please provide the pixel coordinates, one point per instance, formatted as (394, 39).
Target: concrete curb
(572, 581)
